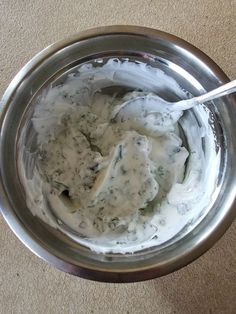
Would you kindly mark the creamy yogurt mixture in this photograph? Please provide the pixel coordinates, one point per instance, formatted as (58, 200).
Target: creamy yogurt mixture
(117, 183)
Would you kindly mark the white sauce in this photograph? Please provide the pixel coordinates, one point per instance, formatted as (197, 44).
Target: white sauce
(117, 186)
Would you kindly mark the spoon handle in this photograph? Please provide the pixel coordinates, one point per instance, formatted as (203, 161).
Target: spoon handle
(223, 90)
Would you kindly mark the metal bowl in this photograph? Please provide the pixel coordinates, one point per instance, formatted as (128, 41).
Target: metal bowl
(195, 72)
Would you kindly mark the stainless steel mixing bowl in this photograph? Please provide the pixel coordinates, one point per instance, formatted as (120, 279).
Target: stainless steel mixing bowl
(195, 72)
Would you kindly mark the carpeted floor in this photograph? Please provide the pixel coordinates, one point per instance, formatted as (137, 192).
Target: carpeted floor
(29, 285)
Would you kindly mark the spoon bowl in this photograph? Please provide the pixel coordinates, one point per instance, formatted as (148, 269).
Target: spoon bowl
(155, 104)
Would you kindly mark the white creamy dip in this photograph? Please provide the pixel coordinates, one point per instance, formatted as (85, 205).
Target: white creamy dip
(117, 184)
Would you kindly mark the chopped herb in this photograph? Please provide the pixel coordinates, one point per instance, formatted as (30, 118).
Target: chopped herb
(123, 170)
(93, 147)
(119, 155)
(160, 171)
(112, 224)
(94, 167)
(176, 150)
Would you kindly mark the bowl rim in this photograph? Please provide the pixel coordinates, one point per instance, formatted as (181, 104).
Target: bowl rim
(84, 271)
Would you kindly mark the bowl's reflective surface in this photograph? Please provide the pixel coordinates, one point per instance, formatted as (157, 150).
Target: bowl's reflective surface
(195, 72)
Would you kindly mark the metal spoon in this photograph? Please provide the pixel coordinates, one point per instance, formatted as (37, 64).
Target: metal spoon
(155, 104)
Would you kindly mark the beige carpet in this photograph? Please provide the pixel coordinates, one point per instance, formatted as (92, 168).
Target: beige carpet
(29, 285)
